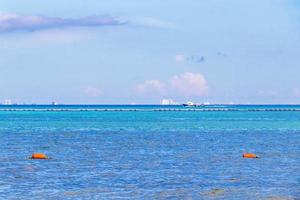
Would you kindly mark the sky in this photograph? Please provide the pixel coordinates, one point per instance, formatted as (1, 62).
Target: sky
(123, 52)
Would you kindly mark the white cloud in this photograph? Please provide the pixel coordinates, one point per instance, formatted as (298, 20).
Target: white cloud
(197, 59)
(14, 22)
(179, 58)
(93, 92)
(10, 22)
(151, 87)
(149, 22)
(187, 85)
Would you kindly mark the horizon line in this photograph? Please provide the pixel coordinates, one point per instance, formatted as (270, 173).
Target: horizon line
(147, 104)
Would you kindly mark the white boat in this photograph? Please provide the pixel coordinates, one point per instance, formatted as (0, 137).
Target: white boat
(189, 104)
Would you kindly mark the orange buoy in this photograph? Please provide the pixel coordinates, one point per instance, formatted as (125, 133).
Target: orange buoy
(249, 155)
(39, 156)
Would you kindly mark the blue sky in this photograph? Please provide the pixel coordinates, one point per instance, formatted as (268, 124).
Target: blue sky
(94, 51)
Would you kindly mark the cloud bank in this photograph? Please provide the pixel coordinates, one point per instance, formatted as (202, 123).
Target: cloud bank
(187, 85)
(14, 22)
(180, 58)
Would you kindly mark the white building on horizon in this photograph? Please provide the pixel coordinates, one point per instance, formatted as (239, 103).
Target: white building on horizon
(168, 102)
(7, 102)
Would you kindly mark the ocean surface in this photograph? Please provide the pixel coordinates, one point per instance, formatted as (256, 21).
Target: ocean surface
(150, 152)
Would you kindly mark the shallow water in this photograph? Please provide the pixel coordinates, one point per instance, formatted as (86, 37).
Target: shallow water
(146, 154)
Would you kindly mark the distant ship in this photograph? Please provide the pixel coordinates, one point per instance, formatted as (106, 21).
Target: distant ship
(189, 104)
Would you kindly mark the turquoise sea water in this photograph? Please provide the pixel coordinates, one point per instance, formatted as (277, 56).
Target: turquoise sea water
(150, 152)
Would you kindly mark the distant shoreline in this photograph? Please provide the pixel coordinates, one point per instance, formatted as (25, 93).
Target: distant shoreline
(149, 108)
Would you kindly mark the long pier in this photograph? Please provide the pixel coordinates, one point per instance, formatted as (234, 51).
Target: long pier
(149, 110)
